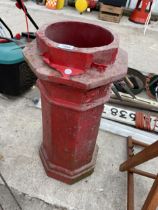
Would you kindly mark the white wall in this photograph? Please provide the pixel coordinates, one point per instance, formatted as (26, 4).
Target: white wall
(133, 4)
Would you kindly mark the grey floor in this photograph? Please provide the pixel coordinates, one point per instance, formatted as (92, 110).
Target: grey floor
(20, 138)
(21, 135)
(142, 50)
(27, 203)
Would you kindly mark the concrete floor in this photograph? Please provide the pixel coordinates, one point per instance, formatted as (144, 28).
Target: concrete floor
(143, 58)
(20, 138)
(21, 135)
(8, 203)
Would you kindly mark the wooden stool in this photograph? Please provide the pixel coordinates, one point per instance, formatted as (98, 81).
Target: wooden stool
(149, 152)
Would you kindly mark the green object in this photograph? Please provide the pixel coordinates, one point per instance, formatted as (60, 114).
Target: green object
(10, 53)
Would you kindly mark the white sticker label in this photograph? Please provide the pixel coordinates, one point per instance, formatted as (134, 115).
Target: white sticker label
(66, 46)
(68, 71)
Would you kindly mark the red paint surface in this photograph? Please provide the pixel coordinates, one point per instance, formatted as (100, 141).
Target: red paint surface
(89, 44)
(141, 12)
(71, 119)
(3, 40)
(72, 107)
(78, 34)
(92, 3)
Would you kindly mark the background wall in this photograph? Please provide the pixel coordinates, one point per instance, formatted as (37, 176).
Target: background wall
(133, 4)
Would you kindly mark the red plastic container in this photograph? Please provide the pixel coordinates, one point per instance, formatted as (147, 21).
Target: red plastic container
(141, 12)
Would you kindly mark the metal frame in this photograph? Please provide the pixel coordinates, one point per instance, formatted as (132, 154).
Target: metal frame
(8, 29)
(149, 152)
(23, 7)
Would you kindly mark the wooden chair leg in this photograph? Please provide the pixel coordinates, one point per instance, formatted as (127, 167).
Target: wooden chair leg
(130, 177)
(151, 202)
(148, 153)
(130, 190)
